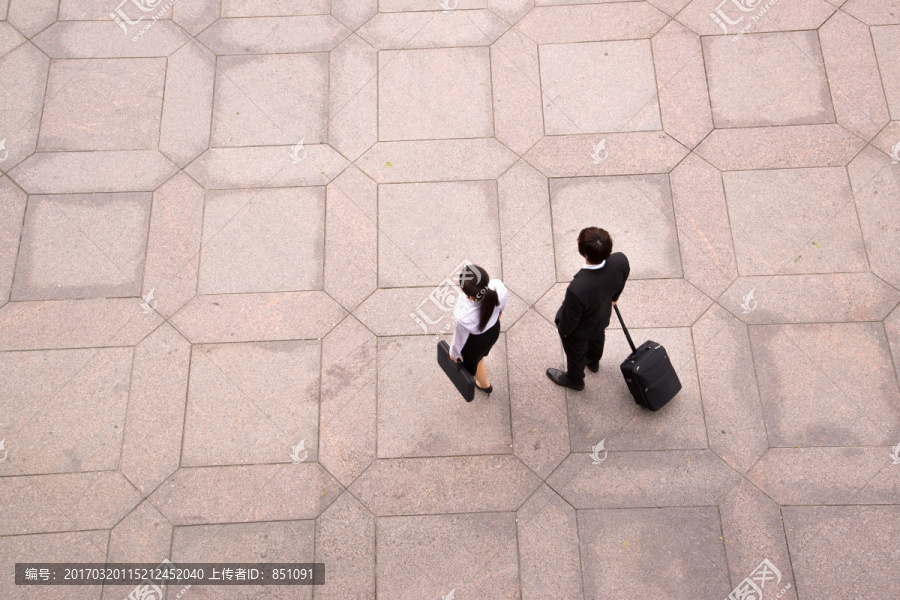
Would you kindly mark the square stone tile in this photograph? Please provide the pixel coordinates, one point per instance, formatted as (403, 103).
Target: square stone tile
(794, 221)
(634, 554)
(425, 230)
(636, 211)
(431, 556)
(420, 413)
(438, 93)
(82, 246)
(103, 104)
(271, 542)
(270, 240)
(271, 99)
(251, 403)
(767, 79)
(599, 87)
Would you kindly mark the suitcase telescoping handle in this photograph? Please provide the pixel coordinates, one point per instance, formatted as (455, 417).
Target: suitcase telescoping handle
(625, 329)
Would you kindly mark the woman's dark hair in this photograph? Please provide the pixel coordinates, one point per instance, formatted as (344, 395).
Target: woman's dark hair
(595, 244)
(473, 280)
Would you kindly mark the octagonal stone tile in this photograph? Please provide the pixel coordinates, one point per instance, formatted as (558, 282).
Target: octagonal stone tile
(425, 230)
(681, 547)
(599, 87)
(82, 246)
(274, 35)
(453, 101)
(637, 212)
(420, 412)
(591, 22)
(251, 403)
(103, 104)
(270, 100)
(784, 84)
(874, 12)
(794, 221)
(51, 547)
(267, 240)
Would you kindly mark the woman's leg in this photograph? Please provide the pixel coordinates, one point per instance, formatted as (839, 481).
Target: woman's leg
(481, 378)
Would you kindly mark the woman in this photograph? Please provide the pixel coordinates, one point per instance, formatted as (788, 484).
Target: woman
(477, 313)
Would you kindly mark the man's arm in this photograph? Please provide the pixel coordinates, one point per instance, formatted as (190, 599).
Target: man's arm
(570, 313)
(626, 271)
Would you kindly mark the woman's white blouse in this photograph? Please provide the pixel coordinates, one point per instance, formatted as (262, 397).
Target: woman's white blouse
(468, 316)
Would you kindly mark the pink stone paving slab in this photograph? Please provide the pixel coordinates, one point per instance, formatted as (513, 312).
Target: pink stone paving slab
(887, 139)
(266, 167)
(261, 8)
(279, 542)
(353, 97)
(197, 15)
(345, 542)
(420, 413)
(151, 449)
(620, 547)
(66, 502)
(430, 556)
(661, 303)
(681, 78)
(887, 40)
(456, 28)
(30, 17)
(587, 23)
(813, 228)
(9, 37)
(844, 550)
(785, 84)
(12, 211)
(23, 76)
(348, 402)
(258, 317)
(142, 536)
(425, 5)
(753, 531)
(537, 406)
(351, 238)
(274, 35)
(670, 7)
(548, 548)
(173, 244)
(392, 311)
(82, 246)
(616, 154)
(510, 10)
(636, 210)
(731, 407)
(268, 240)
(853, 76)
(82, 546)
(424, 486)
(74, 323)
(874, 12)
(815, 476)
(353, 13)
(436, 160)
(831, 298)
(644, 479)
(791, 146)
(186, 116)
(807, 404)
(892, 329)
(65, 410)
(101, 39)
(515, 82)
(876, 181)
(244, 494)
(526, 236)
(765, 17)
(88, 10)
(104, 171)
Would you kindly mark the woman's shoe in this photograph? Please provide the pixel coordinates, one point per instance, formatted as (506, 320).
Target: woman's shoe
(486, 390)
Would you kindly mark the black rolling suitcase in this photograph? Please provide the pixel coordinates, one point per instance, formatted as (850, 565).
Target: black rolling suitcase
(648, 372)
(458, 374)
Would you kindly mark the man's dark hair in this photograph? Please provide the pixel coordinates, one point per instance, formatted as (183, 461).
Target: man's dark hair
(595, 244)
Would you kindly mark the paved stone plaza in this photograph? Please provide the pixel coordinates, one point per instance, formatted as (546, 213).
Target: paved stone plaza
(224, 226)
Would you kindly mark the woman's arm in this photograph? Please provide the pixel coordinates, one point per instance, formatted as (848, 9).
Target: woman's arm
(460, 335)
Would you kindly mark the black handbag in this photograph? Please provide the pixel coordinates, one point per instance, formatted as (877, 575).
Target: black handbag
(648, 372)
(456, 371)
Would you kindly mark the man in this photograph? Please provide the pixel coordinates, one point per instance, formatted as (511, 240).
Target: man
(584, 315)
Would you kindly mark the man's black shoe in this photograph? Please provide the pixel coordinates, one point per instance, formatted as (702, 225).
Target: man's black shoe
(560, 378)
(594, 368)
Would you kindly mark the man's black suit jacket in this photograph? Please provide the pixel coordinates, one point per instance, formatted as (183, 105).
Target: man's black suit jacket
(588, 304)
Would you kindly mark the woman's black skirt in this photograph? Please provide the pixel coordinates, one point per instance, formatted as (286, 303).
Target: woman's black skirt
(479, 346)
